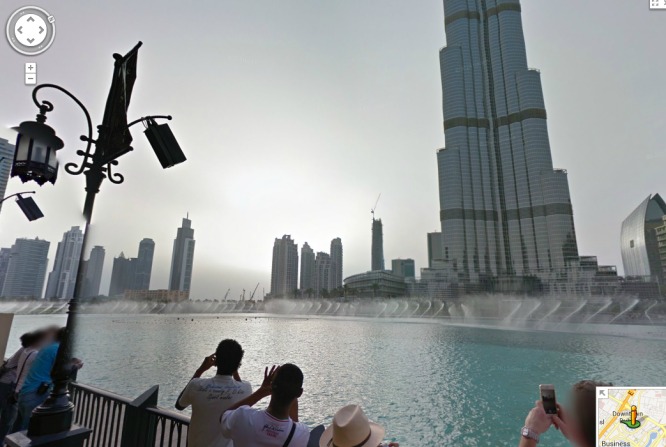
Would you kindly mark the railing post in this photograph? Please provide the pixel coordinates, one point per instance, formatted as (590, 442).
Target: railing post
(139, 426)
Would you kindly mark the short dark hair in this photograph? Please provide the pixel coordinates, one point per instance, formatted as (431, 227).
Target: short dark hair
(288, 384)
(228, 357)
(30, 338)
(585, 402)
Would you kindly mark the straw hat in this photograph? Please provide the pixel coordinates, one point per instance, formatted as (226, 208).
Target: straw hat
(351, 428)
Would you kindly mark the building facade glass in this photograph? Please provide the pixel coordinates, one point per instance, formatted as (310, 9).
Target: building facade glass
(377, 245)
(182, 258)
(284, 273)
(638, 239)
(504, 209)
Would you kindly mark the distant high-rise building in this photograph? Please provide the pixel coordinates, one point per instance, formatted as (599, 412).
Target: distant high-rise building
(377, 245)
(435, 248)
(284, 272)
(336, 257)
(7, 157)
(504, 209)
(638, 239)
(661, 243)
(122, 275)
(324, 273)
(404, 268)
(182, 258)
(62, 278)
(92, 272)
(5, 254)
(26, 270)
(144, 265)
(307, 267)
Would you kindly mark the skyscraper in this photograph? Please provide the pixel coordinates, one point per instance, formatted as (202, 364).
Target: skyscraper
(5, 255)
(377, 245)
(144, 265)
(307, 267)
(122, 275)
(638, 239)
(92, 272)
(182, 258)
(284, 272)
(7, 157)
(336, 257)
(26, 270)
(504, 209)
(324, 273)
(434, 248)
(62, 279)
(404, 268)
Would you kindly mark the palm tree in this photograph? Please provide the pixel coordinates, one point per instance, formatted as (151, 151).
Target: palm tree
(345, 289)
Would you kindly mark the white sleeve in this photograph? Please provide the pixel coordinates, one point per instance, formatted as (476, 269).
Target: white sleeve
(186, 399)
(301, 435)
(248, 387)
(230, 420)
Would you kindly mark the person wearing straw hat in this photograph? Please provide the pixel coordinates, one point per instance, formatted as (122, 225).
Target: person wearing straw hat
(351, 428)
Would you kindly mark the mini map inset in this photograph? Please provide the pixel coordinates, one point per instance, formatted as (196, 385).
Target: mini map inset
(30, 30)
(631, 416)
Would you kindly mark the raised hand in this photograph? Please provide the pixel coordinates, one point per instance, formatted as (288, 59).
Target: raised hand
(266, 385)
(561, 422)
(207, 363)
(537, 420)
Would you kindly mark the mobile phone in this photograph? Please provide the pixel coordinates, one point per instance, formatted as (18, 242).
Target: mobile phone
(548, 398)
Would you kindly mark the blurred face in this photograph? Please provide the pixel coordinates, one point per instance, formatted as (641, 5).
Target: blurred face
(581, 416)
(49, 336)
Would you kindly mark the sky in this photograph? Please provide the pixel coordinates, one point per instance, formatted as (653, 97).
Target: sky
(295, 115)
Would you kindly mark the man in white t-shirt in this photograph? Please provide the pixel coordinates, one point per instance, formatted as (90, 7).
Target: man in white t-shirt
(278, 425)
(210, 397)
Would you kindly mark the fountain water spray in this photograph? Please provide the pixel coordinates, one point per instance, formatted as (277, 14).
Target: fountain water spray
(631, 306)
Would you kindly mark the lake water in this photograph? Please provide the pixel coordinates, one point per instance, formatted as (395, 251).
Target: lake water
(428, 383)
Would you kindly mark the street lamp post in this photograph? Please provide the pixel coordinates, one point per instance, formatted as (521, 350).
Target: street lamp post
(35, 160)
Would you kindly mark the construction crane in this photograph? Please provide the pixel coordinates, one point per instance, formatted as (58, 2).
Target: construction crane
(255, 289)
(225, 295)
(243, 295)
(375, 207)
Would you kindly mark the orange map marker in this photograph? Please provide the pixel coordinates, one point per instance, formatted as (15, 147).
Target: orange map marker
(633, 423)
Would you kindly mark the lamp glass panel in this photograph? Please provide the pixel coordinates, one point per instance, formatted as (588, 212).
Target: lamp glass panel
(39, 151)
(23, 147)
(53, 159)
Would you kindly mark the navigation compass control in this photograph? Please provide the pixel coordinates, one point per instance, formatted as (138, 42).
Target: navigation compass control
(31, 30)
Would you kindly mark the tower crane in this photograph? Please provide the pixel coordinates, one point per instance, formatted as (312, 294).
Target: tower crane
(253, 292)
(225, 295)
(375, 207)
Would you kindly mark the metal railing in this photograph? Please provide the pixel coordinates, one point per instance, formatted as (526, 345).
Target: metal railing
(118, 421)
(170, 427)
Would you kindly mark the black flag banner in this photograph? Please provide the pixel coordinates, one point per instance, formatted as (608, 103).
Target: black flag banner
(116, 137)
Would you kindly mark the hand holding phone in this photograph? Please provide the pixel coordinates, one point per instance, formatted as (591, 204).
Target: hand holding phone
(548, 399)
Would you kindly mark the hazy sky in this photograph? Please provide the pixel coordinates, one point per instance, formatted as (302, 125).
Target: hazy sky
(295, 115)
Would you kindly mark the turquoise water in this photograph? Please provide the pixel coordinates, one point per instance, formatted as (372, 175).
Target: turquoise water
(427, 383)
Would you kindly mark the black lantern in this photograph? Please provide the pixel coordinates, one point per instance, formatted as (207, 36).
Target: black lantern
(36, 146)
